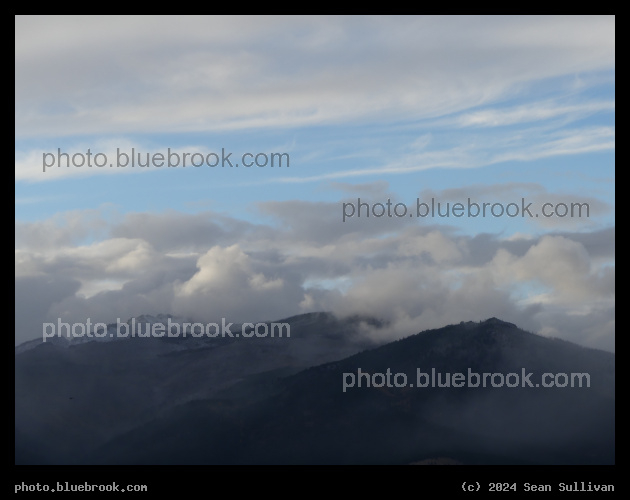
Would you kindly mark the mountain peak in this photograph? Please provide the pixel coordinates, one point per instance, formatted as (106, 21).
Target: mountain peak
(497, 321)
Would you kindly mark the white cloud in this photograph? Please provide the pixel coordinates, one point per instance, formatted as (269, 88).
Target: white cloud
(530, 113)
(412, 276)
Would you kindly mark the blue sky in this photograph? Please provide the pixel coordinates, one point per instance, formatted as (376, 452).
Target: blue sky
(491, 108)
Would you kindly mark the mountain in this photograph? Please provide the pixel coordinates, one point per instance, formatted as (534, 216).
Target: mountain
(74, 395)
(284, 406)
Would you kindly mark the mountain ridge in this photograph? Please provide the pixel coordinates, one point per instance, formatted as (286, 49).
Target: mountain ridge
(252, 418)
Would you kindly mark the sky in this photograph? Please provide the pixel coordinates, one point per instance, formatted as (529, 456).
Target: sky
(400, 109)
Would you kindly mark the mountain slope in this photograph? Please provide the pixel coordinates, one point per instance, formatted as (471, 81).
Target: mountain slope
(71, 397)
(308, 418)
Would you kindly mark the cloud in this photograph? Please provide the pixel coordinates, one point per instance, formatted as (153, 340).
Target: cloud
(560, 263)
(207, 266)
(455, 151)
(34, 297)
(122, 74)
(530, 113)
(231, 284)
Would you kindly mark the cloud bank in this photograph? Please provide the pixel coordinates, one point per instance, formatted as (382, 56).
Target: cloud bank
(412, 274)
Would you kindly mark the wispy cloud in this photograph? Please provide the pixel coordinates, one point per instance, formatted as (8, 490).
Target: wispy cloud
(531, 113)
(101, 75)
